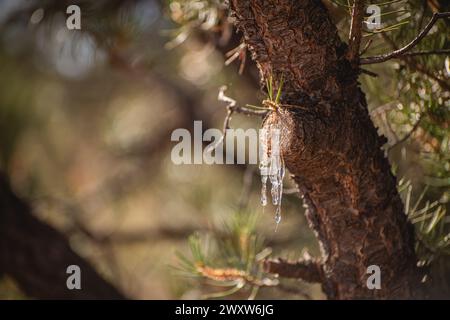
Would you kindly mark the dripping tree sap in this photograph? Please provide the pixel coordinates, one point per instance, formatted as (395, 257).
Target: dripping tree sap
(271, 168)
(271, 162)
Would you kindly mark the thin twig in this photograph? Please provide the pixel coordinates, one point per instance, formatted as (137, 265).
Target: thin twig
(424, 53)
(354, 41)
(369, 73)
(238, 52)
(412, 63)
(409, 46)
(239, 109)
(231, 108)
(366, 47)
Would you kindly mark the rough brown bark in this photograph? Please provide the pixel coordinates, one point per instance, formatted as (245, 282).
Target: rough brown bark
(332, 148)
(36, 256)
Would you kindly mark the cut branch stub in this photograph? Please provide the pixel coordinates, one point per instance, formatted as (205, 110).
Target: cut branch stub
(307, 270)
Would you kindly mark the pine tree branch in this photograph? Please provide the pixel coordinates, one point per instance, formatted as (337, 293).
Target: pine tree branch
(354, 41)
(410, 61)
(306, 269)
(409, 46)
(424, 53)
(233, 107)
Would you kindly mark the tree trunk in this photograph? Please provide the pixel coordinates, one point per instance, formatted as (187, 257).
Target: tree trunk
(332, 149)
(36, 256)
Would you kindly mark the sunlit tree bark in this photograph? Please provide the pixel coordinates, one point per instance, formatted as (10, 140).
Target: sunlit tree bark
(332, 148)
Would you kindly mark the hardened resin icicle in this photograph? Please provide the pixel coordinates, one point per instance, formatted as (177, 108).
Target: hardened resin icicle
(280, 192)
(271, 166)
(275, 165)
(264, 190)
(277, 173)
(264, 164)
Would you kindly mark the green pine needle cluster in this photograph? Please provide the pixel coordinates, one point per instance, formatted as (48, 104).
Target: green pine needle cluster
(229, 259)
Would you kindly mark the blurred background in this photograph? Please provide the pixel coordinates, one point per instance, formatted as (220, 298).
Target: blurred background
(85, 123)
